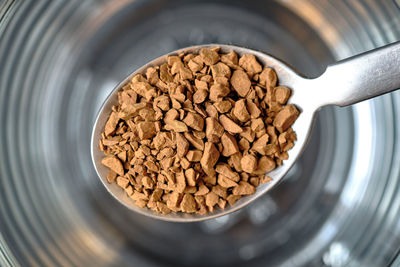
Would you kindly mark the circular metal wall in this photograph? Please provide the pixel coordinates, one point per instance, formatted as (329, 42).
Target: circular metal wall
(58, 61)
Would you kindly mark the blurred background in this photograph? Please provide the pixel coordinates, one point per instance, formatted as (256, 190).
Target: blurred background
(339, 205)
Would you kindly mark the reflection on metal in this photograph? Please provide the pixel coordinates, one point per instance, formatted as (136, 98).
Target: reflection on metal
(337, 255)
(311, 13)
(53, 209)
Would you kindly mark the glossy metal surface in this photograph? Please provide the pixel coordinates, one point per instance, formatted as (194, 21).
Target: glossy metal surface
(344, 83)
(60, 59)
(355, 79)
(302, 128)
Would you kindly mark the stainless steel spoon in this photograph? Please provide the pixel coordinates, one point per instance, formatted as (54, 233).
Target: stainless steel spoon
(344, 83)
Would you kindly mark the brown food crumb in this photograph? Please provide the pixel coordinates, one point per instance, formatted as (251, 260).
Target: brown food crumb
(188, 204)
(182, 145)
(141, 203)
(248, 133)
(217, 91)
(240, 82)
(211, 199)
(265, 164)
(230, 125)
(223, 106)
(147, 182)
(190, 177)
(240, 111)
(235, 162)
(185, 164)
(266, 179)
(214, 130)
(180, 182)
(220, 70)
(243, 188)
(194, 121)
(194, 155)
(222, 203)
(129, 190)
(201, 202)
(122, 181)
(114, 164)
(177, 126)
(202, 190)
(200, 96)
(255, 112)
(197, 143)
(209, 56)
(244, 144)
(211, 110)
(260, 145)
(223, 168)
(198, 132)
(171, 115)
(268, 78)
(111, 123)
(163, 208)
(174, 200)
(282, 94)
(231, 59)
(229, 145)
(232, 199)
(286, 117)
(111, 175)
(250, 64)
(209, 158)
(210, 179)
(225, 181)
(255, 181)
(220, 191)
(249, 163)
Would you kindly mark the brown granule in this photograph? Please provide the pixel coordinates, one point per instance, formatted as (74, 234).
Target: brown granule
(198, 132)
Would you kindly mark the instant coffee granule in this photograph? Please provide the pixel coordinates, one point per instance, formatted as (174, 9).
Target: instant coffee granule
(198, 132)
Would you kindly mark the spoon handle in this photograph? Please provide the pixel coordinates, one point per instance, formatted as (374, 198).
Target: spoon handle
(361, 77)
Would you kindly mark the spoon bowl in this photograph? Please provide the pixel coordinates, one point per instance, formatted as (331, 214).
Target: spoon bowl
(344, 83)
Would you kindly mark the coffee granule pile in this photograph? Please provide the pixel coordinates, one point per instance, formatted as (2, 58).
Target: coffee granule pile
(198, 132)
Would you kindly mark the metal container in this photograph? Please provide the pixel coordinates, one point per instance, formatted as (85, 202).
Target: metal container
(339, 206)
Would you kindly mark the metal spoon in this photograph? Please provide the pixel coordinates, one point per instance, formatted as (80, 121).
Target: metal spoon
(344, 83)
